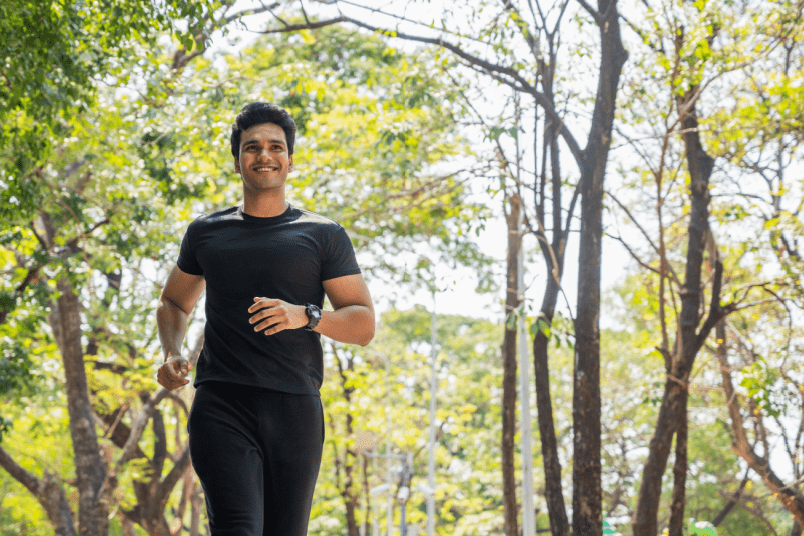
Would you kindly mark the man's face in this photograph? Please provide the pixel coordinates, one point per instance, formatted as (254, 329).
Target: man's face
(264, 162)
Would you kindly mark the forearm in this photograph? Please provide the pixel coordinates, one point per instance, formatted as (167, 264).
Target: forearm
(171, 323)
(353, 324)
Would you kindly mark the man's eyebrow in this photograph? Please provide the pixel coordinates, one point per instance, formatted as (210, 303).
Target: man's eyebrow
(248, 142)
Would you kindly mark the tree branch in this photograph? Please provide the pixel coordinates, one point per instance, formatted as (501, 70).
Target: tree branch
(593, 12)
(487, 66)
(165, 488)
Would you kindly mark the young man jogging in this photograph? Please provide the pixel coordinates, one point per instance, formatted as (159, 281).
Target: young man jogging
(256, 424)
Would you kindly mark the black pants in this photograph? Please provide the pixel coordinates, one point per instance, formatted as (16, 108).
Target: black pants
(257, 453)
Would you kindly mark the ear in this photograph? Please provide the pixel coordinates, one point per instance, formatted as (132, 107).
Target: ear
(236, 164)
(290, 163)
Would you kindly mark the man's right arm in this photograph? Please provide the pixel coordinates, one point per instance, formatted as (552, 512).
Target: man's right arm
(178, 298)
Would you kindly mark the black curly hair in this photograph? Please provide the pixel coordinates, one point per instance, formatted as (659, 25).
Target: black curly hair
(256, 113)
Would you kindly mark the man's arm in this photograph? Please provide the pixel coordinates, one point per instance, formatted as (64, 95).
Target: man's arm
(178, 298)
(352, 321)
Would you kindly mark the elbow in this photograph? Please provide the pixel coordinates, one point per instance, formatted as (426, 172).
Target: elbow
(365, 342)
(370, 334)
(368, 337)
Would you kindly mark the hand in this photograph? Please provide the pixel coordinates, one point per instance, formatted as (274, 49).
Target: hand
(276, 315)
(171, 374)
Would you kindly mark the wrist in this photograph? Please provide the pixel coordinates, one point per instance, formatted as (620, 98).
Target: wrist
(313, 314)
(171, 354)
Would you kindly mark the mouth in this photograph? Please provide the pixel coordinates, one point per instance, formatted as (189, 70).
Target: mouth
(264, 169)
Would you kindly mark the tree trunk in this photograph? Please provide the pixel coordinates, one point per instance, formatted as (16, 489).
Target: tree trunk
(351, 520)
(196, 505)
(350, 499)
(674, 400)
(509, 368)
(559, 523)
(556, 509)
(89, 467)
(367, 493)
(128, 526)
(679, 476)
(586, 474)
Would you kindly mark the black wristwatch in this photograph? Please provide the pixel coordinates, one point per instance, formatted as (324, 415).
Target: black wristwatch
(314, 314)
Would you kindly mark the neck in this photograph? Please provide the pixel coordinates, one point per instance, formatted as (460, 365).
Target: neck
(266, 205)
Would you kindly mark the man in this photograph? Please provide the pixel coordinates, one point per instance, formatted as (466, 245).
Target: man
(256, 424)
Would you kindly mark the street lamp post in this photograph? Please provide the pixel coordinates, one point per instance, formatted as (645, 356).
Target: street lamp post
(528, 521)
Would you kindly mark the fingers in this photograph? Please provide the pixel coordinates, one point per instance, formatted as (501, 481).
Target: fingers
(273, 314)
(171, 374)
(261, 303)
(273, 319)
(275, 328)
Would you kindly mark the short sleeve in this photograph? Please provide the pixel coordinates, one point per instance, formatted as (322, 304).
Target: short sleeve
(187, 261)
(339, 256)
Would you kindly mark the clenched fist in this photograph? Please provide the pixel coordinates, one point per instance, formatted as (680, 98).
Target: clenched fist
(171, 375)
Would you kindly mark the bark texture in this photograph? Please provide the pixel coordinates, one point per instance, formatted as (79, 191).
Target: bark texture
(510, 366)
(586, 474)
(679, 476)
(89, 467)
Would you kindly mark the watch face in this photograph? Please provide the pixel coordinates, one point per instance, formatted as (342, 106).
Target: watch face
(313, 311)
(314, 314)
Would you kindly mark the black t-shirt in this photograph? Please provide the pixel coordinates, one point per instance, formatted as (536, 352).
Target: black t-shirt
(243, 257)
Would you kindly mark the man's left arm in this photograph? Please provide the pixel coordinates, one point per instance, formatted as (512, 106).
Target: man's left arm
(351, 322)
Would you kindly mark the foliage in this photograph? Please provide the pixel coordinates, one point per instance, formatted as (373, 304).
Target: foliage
(54, 54)
(377, 147)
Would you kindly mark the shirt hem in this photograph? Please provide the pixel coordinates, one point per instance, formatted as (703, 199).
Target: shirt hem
(237, 381)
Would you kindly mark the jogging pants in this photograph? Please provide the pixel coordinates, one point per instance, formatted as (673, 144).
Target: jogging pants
(257, 453)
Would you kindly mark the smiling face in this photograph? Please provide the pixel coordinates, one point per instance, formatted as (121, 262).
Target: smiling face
(264, 162)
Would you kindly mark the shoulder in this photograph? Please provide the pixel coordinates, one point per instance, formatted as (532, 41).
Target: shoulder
(211, 218)
(318, 220)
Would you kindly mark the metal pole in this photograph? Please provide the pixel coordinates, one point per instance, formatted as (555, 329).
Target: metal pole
(431, 445)
(402, 522)
(390, 510)
(528, 526)
(375, 523)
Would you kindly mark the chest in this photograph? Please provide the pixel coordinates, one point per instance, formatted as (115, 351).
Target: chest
(242, 261)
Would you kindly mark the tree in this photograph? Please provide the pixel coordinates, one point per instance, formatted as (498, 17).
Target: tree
(680, 42)
(55, 54)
